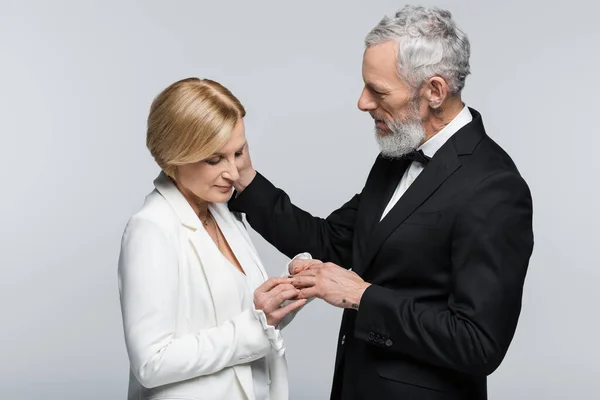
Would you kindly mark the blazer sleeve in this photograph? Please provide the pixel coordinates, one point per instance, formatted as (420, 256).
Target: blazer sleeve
(292, 230)
(148, 286)
(492, 244)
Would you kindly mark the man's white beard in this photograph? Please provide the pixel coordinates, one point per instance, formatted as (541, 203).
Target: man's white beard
(402, 138)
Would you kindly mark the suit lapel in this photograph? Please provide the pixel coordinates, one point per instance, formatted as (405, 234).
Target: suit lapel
(226, 307)
(242, 247)
(433, 176)
(383, 193)
(237, 238)
(226, 304)
(379, 189)
(217, 275)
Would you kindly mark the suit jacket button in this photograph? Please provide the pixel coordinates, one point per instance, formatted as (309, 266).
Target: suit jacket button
(343, 339)
(389, 343)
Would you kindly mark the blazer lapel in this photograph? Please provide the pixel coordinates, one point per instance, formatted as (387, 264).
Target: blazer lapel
(382, 191)
(214, 265)
(236, 236)
(242, 247)
(380, 187)
(226, 307)
(444, 163)
(216, 272)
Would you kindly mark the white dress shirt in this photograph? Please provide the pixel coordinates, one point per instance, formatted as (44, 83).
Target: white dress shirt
(429, 148)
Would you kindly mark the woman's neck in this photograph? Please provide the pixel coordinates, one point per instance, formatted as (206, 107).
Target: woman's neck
(199, 206)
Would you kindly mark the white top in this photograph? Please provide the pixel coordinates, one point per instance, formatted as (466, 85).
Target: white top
(429, 148)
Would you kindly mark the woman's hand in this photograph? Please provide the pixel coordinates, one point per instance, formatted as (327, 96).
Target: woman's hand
(269, 297)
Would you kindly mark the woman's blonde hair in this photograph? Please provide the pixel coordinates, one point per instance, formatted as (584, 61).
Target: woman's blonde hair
(189, 121)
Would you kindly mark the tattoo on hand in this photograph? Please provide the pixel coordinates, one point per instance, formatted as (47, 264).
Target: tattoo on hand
(354, 305)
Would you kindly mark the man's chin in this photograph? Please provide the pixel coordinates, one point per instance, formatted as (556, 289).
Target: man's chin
(381, 132)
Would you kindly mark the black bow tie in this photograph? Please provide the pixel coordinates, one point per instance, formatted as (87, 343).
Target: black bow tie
(417, 156)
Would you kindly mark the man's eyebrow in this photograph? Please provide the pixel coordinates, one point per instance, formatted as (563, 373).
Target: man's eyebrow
(376, 87)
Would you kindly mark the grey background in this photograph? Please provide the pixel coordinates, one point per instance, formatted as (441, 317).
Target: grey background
(76, 82)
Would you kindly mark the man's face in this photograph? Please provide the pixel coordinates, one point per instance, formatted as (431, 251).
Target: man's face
(393, 105)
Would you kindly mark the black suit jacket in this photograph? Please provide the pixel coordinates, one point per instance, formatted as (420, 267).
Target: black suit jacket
(447, 266)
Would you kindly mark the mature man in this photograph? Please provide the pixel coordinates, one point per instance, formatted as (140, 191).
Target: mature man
(438, 241)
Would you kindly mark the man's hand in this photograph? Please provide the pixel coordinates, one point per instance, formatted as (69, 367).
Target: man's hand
(332, 283)
(245, 169)
(298, 265)
(269, 296)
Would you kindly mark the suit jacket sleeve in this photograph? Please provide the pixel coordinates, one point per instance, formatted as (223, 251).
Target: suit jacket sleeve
(148, 285)
(292, 230)
(491, 247)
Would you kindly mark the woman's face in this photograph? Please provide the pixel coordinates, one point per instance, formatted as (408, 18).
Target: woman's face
(212, 179)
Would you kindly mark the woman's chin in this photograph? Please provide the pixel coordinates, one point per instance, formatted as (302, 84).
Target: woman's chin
(219, 196)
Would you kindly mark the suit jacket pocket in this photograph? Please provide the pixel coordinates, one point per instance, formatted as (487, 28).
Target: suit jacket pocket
(424, 218)
(429, 377)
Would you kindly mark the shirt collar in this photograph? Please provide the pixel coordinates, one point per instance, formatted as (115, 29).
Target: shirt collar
(434, 143)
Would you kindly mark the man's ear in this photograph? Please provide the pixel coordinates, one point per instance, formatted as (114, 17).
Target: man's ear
(436, 92)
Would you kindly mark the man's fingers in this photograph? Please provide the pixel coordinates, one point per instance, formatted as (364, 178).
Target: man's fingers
(307, 272)
(303, 281)
(307, 293)
(297, 266)
(305, 261)
(307, 267)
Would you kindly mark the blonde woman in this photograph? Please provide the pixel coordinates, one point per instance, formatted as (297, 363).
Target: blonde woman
(200, 317)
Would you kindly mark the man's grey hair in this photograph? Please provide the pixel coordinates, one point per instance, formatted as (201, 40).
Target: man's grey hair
(430, 44)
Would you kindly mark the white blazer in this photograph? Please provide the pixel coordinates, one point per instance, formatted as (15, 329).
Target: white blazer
(186, 333)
